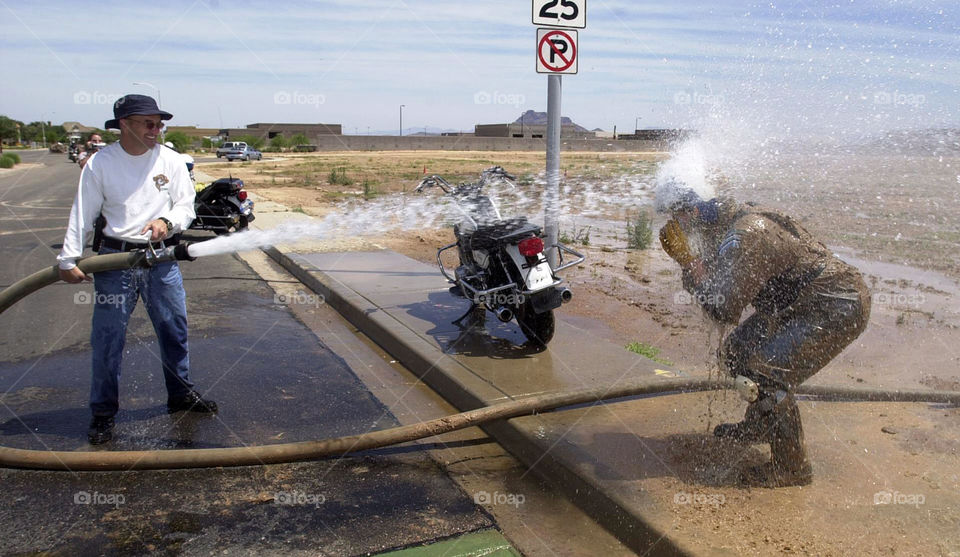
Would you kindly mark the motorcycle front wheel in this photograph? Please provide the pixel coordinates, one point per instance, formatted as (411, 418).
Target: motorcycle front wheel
(537, 327)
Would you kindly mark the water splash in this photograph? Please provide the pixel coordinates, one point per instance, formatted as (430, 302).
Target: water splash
(379, 217)
(430, 210)
(688, 169)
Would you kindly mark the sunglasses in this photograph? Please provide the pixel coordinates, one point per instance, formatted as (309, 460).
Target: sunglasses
(149, 124)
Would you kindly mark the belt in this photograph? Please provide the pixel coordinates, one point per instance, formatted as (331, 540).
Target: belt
(123, 245)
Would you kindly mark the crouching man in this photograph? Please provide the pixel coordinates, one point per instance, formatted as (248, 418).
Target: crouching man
(808, 306)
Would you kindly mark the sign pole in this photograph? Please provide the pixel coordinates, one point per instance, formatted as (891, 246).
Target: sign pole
(551, 208)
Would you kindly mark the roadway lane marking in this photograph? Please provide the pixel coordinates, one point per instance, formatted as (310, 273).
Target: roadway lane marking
(31, 231)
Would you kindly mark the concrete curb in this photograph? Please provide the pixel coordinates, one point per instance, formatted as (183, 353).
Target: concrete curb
(466, 390)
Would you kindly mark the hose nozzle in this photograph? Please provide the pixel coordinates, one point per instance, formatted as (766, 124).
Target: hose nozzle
(179, 252)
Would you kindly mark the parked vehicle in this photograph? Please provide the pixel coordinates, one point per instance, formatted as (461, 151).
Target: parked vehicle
(503, 267)
(229, 146)
(223, 206)
(245, 153)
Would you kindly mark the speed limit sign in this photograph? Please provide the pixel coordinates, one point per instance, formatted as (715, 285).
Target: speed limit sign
(560, 13)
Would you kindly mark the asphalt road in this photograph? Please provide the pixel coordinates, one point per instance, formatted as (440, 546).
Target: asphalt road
(272, 378)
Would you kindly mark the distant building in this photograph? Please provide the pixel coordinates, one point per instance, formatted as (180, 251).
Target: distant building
(567, 131)
(76, 130)
(268, 131)
(656, 134)
(194, 132)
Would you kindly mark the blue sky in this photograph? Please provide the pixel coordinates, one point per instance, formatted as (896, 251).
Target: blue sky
(846, 64)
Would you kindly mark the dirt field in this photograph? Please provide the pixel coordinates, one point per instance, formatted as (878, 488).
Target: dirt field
(891, 216)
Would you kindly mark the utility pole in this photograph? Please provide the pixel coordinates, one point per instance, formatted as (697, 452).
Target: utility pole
(401, 119)
(551, 227)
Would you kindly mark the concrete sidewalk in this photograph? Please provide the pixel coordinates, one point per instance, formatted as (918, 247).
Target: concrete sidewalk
(405, 306)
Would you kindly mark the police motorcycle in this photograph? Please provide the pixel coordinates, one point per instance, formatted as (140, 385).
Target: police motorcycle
(73, 152)
(222, 205)
(503, 266)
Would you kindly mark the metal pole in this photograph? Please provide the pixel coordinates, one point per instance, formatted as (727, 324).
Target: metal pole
(551, 227)
(401, 120)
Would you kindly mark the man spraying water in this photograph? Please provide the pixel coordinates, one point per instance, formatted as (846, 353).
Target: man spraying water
(809, 305)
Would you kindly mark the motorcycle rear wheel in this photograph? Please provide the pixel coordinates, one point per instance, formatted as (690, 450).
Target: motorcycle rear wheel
(537, 327)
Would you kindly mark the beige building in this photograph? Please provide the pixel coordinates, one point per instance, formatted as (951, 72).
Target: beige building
(194, 132)
(268, 131)
(76, 130)
(567, 131)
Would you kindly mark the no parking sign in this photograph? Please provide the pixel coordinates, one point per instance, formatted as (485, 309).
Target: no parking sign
(556, 51)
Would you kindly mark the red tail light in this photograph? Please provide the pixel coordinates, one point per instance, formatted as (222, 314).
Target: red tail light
(531, 246)
(242, 195)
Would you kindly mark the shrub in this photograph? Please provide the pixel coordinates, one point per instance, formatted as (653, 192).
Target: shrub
(579, 236)
(299, 139)
(338, 176)
(6, 161)
(647, 351)
(251, 140)
(640, 231)
(181, 141)
(370, 189)
(278, 143)
(14, 156)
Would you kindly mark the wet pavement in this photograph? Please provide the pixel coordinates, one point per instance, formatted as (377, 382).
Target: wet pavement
(406, 307)
(273, 380)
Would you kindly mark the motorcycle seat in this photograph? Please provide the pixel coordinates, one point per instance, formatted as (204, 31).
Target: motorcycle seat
(506, 231)
(223, 186)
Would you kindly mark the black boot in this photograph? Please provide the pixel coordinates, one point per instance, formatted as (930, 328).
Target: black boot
(755, 427)
(101, 430)
(191, 402)
(788, 465)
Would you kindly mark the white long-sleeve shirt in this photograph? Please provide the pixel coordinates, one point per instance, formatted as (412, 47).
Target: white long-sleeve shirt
(129, 191)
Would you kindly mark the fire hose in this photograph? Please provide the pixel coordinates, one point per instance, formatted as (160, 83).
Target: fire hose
(312, 450)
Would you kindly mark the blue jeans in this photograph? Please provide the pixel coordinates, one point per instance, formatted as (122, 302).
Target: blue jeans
(161, 288)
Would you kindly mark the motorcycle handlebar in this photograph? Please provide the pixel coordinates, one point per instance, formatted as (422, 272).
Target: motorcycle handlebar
(430, 182)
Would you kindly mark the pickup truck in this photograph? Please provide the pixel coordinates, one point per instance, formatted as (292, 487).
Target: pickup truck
(230, 146)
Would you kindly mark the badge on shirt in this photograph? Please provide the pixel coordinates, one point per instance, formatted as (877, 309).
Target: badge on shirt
(160, 180)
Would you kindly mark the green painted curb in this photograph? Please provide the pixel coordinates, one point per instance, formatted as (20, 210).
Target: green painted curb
(485, 543)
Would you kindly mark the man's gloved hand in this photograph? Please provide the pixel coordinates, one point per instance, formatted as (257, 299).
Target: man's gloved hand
(674, 242)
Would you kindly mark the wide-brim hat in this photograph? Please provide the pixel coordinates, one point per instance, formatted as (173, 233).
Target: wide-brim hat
(133, 105)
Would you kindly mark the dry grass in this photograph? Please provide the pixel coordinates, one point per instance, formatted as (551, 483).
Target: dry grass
(398, 171)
